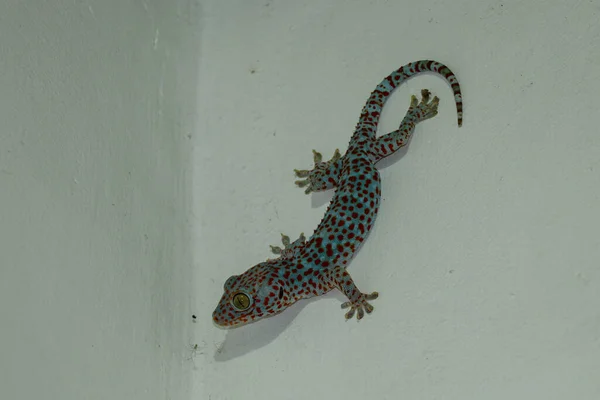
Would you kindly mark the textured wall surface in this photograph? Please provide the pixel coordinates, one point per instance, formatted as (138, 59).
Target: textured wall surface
(98, 104)
(486, 250)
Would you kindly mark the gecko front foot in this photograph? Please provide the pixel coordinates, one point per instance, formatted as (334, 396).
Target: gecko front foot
(288, 249)
(360, 306)
(323, 176)
(425, 109)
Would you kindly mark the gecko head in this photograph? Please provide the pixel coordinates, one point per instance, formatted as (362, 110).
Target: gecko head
(258, 293)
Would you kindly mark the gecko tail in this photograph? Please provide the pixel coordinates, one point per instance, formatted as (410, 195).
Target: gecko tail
(371, 112)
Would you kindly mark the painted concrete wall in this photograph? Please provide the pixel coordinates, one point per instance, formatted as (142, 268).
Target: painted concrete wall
(486, 251)
(97, 111)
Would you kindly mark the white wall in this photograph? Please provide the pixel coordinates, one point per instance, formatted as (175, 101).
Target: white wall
(97, 99)
(486, 252)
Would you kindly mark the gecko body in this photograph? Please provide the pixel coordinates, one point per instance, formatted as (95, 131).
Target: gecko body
(313, 267)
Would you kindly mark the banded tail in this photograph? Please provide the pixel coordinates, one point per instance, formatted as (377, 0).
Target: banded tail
(371, 112)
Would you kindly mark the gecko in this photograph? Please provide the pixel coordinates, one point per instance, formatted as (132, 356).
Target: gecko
(313, 267)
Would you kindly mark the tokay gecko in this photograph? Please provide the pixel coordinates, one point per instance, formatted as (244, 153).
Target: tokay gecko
(307, 268)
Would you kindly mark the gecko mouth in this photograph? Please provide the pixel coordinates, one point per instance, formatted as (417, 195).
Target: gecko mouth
(227, 323)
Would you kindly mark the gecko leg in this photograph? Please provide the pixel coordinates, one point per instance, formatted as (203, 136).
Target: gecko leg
(288, 249)
(417, 112)
(340, 278)
(323, 176)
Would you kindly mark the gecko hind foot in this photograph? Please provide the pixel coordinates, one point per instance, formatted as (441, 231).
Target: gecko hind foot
(360, 306)
(424, 109)
(323, 176)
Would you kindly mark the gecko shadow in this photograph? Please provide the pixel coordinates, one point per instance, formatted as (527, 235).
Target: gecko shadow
(245, 339)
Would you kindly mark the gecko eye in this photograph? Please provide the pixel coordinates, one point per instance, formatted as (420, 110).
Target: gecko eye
(280, 293)
(241, 301)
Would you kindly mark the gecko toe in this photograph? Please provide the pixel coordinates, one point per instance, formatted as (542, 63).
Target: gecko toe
(372, 296)
(301, 173)
(350, 313)
(360, 314)
(317, 157)
(302, 183)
